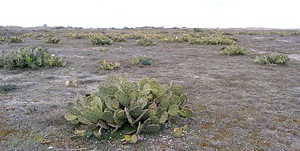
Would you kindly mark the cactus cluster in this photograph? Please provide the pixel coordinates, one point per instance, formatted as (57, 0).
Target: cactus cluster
(53, 40)
(29, 57)
(141, 60)
(145, 42)
(104, 65)
(233, 50)
(16, 39)
(101, 40)
(145, 105)
(272, 58)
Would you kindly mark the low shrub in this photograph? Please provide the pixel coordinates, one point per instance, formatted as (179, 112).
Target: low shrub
(101, 40)
(271, 58)
(30, 57)
(233, 50)
(145, 106)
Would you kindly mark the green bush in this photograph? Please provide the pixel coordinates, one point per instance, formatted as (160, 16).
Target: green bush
(145, 106)
(271, 58)
(141, 60)
(146, 42)
(53, 40)
(16, 39)
(29, 57)
(101, 40)
(109, 65)
(233, 50)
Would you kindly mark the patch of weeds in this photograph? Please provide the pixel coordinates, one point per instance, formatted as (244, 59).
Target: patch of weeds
(109, 65)
(101, 40)
(271, 58)
(16, 39)
(141, 60)
(7, 87)
(30, 57)
(233, 50)
(53, 40)
(145, 42)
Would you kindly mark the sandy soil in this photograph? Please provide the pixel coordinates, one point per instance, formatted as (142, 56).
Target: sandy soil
(238, 105)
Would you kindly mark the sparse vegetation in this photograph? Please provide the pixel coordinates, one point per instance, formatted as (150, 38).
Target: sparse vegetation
(145, 105)
(30, 57)
(271, 58)
(233, 50)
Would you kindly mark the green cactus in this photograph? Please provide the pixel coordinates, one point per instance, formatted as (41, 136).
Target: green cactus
(144, 105)
(173, 109)
(152, 128)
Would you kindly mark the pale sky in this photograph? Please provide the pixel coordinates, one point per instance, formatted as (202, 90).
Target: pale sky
(158, 13)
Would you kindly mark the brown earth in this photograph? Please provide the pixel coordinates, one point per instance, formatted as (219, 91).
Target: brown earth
(238, 105)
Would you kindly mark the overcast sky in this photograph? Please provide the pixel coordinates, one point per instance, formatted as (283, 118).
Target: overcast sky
(158, 13)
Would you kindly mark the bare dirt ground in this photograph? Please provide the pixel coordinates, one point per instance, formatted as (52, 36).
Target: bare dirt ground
(237, 104)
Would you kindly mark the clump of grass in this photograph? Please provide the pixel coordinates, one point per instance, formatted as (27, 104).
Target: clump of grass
(101, 40)
(233, 50)
(271, 58)
(53, 40)
(16, 39)
(146, 42)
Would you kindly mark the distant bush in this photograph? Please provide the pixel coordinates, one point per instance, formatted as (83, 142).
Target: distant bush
(101, 40)
(233, 50)
(30, 57)
(146, 42)
(272, 58)
(16, 39)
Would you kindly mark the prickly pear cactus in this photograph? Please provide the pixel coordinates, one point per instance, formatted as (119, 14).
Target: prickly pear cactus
(144, 105)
